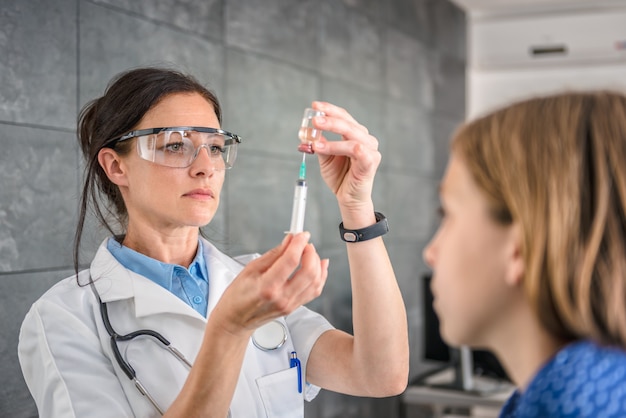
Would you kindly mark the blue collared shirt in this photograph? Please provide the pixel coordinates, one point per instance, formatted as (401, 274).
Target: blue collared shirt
(191, 284)
(582, 380)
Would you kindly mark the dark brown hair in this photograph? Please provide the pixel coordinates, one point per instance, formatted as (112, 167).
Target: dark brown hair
(128, 97)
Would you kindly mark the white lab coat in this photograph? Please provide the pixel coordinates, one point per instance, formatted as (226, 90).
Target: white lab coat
(67, 361)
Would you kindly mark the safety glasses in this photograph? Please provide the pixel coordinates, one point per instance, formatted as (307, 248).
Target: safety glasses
(179, 146)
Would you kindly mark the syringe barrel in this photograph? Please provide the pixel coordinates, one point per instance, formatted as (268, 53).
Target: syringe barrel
(299, 206)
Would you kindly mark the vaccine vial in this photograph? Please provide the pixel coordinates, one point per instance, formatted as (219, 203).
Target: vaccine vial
(308, 133)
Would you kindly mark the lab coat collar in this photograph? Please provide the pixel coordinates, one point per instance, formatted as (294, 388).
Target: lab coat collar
(114, 282)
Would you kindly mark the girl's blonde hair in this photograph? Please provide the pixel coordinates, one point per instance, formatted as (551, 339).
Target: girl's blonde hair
(557, 167)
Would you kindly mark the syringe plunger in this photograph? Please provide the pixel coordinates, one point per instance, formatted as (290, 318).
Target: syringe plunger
(299, 206)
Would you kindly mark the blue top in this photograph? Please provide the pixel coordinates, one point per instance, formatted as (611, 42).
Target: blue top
(582, 380)
(190, 284)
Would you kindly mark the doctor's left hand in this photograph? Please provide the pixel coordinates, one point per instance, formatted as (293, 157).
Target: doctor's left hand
(284, 278)
(347, 166)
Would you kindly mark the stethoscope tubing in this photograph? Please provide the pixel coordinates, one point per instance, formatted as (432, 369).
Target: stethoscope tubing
(123, 364)
(129, 371)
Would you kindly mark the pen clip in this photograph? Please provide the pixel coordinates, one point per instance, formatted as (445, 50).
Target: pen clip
(294, 361)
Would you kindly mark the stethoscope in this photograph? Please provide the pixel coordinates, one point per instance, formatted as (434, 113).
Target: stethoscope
(268, 337)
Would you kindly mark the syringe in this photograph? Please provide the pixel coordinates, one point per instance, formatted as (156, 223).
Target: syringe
(299, 200)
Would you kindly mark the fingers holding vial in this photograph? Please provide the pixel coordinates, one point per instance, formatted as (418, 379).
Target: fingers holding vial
(308, 133)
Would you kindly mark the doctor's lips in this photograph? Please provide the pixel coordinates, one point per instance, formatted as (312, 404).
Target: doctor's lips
(200, 194)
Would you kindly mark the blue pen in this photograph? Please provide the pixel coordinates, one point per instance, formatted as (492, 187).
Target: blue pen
(294, 361)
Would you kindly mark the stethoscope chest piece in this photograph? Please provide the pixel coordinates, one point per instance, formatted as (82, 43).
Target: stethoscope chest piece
(270, 336)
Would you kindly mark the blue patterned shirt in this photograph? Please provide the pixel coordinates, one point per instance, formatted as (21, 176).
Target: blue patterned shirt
(191, 284)
(582, 380)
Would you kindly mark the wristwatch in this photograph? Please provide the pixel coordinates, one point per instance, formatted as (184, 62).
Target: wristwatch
(381, 227)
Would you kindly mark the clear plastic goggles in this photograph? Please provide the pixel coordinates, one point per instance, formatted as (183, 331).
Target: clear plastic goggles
(180, 145)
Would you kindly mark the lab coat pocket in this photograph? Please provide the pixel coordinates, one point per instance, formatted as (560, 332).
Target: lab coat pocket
(279, 392)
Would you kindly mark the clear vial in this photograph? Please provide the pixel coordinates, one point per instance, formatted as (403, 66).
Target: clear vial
(308, 133)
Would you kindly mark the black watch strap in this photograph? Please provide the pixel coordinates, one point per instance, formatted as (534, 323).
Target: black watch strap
(381, 227)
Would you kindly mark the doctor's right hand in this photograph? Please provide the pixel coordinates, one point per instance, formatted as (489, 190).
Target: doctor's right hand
(273, 285)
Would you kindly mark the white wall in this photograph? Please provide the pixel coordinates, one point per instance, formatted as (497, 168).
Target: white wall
(488, 90)
(502, 67)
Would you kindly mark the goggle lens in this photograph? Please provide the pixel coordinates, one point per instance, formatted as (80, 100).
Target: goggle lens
(179, 147)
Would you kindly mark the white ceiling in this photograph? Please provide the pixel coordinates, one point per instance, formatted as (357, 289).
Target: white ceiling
(479, 8)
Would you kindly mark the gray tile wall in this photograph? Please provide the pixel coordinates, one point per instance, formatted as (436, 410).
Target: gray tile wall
(398, 66)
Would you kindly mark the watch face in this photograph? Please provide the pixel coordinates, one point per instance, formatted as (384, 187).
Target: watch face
(349, 236)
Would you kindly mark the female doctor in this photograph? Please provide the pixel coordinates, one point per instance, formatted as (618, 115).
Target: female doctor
(164, 323)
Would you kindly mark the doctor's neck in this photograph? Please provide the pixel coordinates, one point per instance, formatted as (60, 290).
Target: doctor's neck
(177, 246)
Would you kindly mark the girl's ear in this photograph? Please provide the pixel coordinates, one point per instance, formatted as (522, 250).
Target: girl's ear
(516, 268)
(113, 166)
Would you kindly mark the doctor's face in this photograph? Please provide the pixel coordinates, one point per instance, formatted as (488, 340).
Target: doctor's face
(170, 197)
(469, 255)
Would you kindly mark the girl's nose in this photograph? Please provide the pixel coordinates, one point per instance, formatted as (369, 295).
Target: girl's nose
(428, 254)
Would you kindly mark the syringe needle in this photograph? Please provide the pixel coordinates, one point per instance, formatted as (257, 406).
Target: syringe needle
(303, 167)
